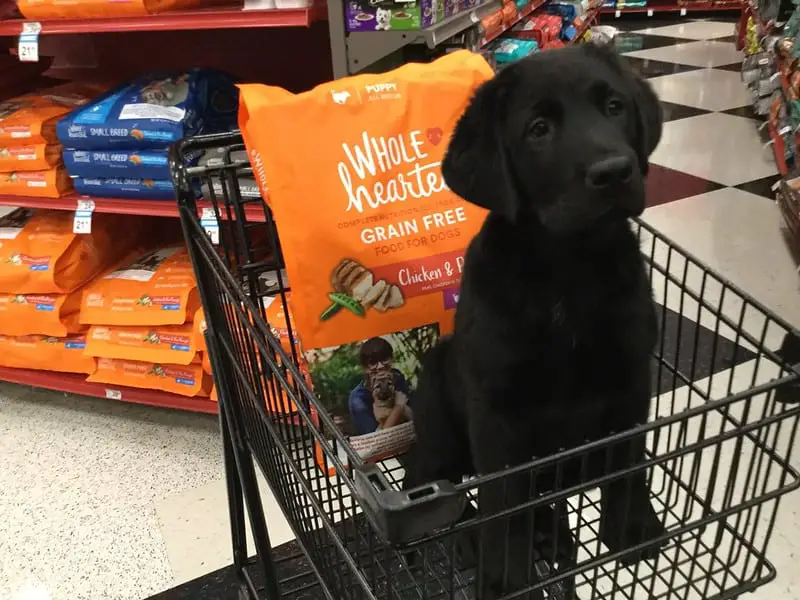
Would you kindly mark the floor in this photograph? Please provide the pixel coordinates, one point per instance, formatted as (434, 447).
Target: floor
(102, 500)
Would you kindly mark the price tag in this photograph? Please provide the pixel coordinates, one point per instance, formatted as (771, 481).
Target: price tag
(683, 12)
(83, 217)
(28, 48)
(650, 12)
(776, 185)
(113, 394)
(617, 14)
(785, 130)
(209, 223)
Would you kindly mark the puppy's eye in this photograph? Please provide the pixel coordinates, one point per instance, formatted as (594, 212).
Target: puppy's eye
(614, 107)
(540, 128)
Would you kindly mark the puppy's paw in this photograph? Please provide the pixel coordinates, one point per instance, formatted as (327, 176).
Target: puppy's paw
(620, 532)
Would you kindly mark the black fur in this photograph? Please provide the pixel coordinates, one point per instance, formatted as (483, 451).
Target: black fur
(555, 324)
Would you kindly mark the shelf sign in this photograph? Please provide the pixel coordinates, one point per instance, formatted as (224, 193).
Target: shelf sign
(209, 223)
(83, 217)
(113, 394)
(649, 12)
(28, 48)
(683, 12)
(617, 14)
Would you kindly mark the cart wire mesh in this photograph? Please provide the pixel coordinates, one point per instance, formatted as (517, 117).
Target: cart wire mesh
(719, 441)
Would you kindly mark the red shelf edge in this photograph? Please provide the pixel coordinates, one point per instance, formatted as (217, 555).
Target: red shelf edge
(72, 383)
(153, 208)
(174, 21)
(691, 6)
(588, 19)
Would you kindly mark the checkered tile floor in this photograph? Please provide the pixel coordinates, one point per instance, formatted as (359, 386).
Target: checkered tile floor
(710, 137)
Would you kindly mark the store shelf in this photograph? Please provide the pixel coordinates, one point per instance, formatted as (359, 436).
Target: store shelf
(154, 208)
(533, 6)
(175, 21)
(673, 7)
(588, 19)
(77, 384)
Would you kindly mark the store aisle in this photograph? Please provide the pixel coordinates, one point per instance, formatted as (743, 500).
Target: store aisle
(118, 502)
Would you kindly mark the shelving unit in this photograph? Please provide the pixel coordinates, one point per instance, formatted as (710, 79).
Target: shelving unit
(661, 6)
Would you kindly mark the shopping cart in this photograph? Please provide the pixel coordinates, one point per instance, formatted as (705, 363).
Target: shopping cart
(719, 440)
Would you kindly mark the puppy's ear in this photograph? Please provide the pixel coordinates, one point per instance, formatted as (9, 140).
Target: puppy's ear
(649, 116)
(475, 166)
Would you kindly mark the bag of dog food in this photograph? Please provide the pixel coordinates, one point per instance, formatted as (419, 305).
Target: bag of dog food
(387, 235)
(87, 9)
(52, 183)
(32, 118)
(157, 288)
(186, 380)
(152, 112)
(147, 189)
(45, 353)
(53, 315)
(32, 157)
(171, 344)
(119, 164)
(39, 253)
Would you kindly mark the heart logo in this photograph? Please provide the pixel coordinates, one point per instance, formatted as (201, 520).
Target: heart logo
(434, 135)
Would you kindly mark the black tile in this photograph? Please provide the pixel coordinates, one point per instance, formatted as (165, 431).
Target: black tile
(735, 67)
(668, 185)
(743, 111)
(673, 112)
(761, 187)
(648, 68)
(631, 42)
(730, 38)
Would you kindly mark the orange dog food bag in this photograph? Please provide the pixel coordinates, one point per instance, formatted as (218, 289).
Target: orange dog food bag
(186, 380)
(77, 9)
(33, 157)
(158, 288)
(374, 241)
(52, 183)
(39, 253)
(172, 344)
(40, 314)
(62, 354)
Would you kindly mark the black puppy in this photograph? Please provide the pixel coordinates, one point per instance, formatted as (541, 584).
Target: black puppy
(556, 323)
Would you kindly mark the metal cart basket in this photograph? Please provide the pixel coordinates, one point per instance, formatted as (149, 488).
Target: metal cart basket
(719, 440)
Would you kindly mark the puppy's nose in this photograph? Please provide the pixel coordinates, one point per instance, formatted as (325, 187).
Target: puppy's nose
(609, 172)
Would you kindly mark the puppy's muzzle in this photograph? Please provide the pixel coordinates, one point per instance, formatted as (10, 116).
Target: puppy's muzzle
(610, 173)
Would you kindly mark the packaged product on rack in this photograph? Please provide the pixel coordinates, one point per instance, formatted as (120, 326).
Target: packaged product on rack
(29, 157)
(46, 353)
(40, 314)
(157, 288)
(124, 164)
(32, 118)
(374, 242)
(150, 189)
(40, 254)
(185, 380)
(87, 9)
(153, 112)
(52, 183)
(172, 344)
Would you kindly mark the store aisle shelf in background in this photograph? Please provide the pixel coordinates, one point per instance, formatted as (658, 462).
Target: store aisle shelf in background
(661, 7)
(535, 5)
(154, 208)
(176, 21)
(76, 384)
(588, 19)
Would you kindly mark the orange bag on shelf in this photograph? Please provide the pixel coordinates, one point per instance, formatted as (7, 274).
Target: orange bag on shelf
(52, 183)
(33, 157)
(188, 380)
(39, 253)
(40, 314)
(158, 288)
(172, 344)
(46, 353)
(32, 118)
(78, 9)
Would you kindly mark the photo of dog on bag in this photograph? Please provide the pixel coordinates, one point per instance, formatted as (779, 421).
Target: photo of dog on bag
(368, 387)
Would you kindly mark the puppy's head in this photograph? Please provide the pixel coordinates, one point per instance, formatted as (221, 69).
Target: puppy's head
(382, 386)
(561, 138)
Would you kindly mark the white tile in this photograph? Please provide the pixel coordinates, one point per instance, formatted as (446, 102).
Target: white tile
(79, 482)
(715, 146)
(738, 234)
(696, 54)
(709, 89)
(692, 30)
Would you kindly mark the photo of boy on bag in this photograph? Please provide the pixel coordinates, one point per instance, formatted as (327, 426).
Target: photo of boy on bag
(381, 399)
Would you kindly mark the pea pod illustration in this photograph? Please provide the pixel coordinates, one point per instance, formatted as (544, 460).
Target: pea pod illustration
(339, 301)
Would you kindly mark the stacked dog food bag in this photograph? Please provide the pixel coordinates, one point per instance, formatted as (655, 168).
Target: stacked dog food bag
(116, 146)
(140, 324)
(43, 268)
(386, 235)
(30, 155)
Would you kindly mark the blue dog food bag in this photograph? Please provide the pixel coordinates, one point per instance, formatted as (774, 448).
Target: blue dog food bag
(153, 112)
(115, 187)
(127, 164)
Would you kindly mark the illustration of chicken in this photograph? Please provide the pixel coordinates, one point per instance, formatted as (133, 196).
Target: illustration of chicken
(356, 290)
